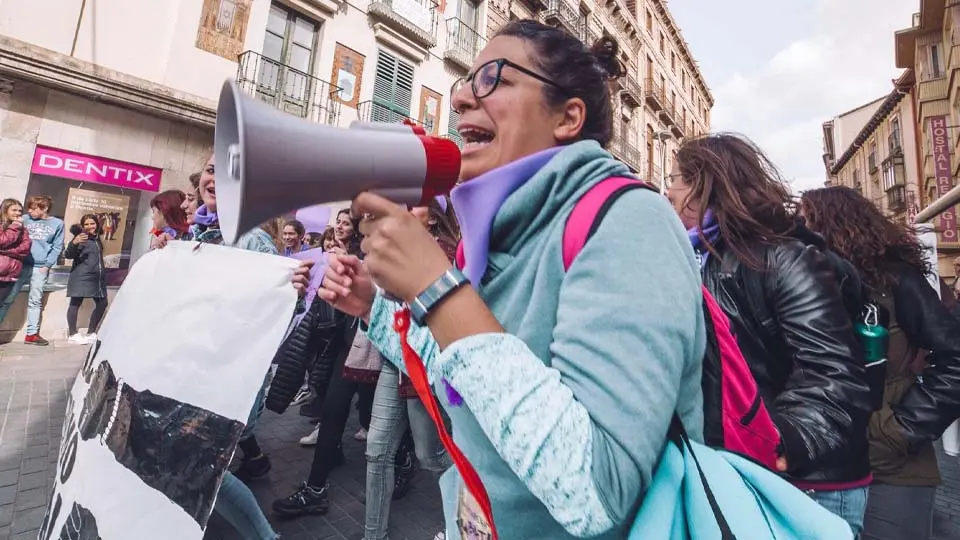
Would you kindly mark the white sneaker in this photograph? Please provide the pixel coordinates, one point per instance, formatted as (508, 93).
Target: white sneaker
(360, 435)
(77, 339)
(440, 536)
(311, 439)
(303, 395)
(91, 338)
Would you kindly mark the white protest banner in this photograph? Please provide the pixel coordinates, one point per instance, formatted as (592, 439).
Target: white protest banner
(155, 414)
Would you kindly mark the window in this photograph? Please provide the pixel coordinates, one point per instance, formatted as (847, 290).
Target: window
(288, 52)
(872, 157)
(936, 69)
(468, 13)
(392, 89)
(893, 139)
(889, 176)
(452, 123)
(673, 62)
(649, 22)
(683, 77)
(663, 44)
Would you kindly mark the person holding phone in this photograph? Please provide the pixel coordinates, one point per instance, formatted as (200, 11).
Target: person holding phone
(14, 247)
(87, 277)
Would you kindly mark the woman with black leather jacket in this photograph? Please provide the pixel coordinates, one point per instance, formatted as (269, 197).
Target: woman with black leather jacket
(784, 303)
(921, 397)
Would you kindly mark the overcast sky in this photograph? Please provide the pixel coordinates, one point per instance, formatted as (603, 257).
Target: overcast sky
(779, 68)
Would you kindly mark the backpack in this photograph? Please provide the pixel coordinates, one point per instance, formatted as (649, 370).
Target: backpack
(730, 391)
(745, 426)
(723, 489)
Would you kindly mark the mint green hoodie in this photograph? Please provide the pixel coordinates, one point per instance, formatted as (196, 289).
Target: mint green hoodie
(566, 414)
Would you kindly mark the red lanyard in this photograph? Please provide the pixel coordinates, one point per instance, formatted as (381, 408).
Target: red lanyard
(418, 375)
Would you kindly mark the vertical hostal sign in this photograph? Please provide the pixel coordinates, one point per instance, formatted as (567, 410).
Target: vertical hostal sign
(943, 171)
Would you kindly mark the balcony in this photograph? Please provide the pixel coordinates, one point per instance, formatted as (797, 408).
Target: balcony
(463, 43)
(562, 15)
(374, 111)
(653, 175)
(414, 19)
(288, 89)
(897, 199)
(625, 152)
(677, 128)
(656, 95)
(631, 91)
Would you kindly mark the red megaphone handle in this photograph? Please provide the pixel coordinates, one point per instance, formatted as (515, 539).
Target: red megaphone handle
(418, 375)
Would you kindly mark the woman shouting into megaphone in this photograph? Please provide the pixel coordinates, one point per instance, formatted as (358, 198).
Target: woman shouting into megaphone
(560, 380)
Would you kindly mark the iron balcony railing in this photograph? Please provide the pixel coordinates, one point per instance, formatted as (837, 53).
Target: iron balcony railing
(897, 199)
(588, 35)
(562, 14)
(631, 89)
(288, 89)
(375, 111)
(415, 19)
(463, 43)
(631, 156)
(656, 95)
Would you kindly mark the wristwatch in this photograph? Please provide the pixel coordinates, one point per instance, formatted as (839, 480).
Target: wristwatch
(450, 281)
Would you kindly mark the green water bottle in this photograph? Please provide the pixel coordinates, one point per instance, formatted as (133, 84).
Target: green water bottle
(874, 339)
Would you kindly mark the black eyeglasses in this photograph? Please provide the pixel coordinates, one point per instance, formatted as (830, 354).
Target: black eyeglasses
(486, 78)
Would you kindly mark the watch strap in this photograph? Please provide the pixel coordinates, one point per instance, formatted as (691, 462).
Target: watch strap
(450, 281)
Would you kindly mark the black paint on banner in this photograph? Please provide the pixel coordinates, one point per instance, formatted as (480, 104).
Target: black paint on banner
(174, 447)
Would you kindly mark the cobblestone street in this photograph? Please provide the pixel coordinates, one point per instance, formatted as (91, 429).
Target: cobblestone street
(33, 385)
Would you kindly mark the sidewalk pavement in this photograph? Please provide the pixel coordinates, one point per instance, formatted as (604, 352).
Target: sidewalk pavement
(33, 386)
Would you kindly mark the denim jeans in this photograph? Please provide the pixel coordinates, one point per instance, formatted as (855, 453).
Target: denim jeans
(850, 504)
(257, 409)
(38, 280)
(8, 300)
(390, 418)
(237, 505)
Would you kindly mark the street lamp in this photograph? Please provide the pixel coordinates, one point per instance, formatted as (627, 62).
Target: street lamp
(662, 137)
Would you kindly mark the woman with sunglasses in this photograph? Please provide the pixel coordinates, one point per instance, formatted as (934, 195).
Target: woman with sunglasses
(560, 384)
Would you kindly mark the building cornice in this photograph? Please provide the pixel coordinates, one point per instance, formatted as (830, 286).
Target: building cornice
(684, 49)
(891, 101)
(22, 60)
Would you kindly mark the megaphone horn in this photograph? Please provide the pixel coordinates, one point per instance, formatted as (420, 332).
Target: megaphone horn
(270, 162)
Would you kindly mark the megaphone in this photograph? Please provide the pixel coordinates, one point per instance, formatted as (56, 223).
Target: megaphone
(270, 162)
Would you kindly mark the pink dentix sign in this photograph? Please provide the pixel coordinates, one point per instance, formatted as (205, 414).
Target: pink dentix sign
(84, 168)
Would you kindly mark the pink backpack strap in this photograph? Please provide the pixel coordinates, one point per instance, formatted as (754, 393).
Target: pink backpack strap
(460, 260)
(585, 212)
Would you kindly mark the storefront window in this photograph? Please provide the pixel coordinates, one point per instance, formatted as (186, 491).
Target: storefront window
(81, 185)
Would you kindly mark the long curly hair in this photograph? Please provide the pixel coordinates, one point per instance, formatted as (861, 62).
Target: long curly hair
(856, 230)
(729, 175)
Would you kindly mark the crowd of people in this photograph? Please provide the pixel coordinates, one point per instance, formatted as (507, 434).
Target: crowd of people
(560, 382)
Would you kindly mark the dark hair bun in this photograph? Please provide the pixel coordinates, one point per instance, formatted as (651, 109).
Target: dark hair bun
(605, 51)
(76, 229)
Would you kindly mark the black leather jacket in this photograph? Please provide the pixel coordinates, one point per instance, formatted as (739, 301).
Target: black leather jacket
(928, 408)
(800, 345)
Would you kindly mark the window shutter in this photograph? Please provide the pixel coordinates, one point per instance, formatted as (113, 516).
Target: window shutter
(403, 95)
(452, 124)
(392, 89)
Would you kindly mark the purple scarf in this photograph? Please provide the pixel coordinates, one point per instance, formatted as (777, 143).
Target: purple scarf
(476, 204)
(478, 201)
(711, 230)
(204, 217)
